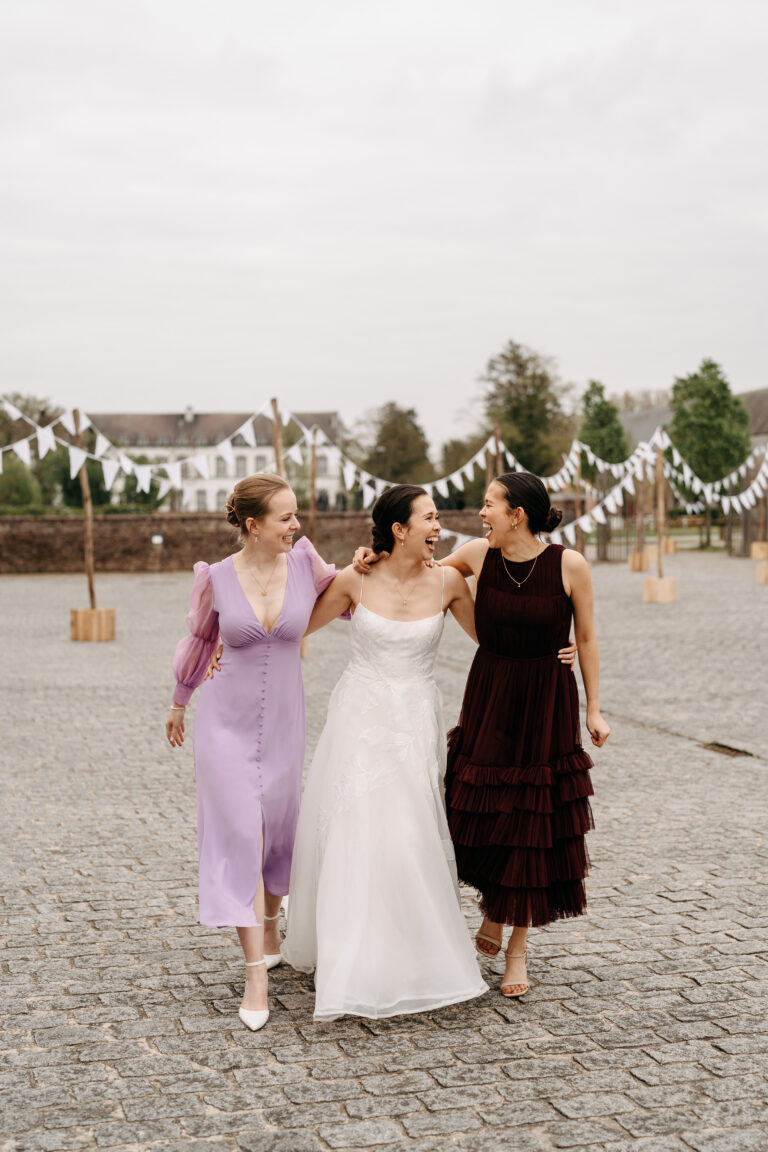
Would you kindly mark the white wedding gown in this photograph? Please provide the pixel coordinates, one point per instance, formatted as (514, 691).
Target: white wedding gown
(374, 900)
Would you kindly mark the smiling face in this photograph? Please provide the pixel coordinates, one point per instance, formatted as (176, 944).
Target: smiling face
(276, 529)
(497, 516)
(421, 533)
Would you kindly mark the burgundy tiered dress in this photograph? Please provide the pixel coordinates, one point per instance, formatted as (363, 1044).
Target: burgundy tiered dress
(518, 783)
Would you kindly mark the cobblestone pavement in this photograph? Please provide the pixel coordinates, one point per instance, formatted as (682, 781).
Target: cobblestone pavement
(646, 1025)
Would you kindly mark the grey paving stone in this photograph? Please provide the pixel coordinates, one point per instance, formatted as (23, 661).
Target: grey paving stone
(359, 1133)
(729, 1140)
(657, 996)
(441, 1123)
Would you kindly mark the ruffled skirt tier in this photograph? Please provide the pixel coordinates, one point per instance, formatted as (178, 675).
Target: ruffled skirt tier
(518, 788)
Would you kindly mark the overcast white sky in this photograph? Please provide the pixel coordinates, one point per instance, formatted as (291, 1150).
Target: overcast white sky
(345, 202)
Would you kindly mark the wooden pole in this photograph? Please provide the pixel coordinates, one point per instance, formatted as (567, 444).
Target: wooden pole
(660, 509)
(497, 434)
(488, 467)
(277, 437)
(85, 488)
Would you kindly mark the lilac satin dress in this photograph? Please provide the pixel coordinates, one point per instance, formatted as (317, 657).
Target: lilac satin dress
(249, 732)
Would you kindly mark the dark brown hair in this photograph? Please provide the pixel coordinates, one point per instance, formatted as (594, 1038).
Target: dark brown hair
(252, 496)
(526, 491)
(392, 507)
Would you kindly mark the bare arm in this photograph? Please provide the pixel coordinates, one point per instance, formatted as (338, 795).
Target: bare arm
(468, 559)
(459, 601)
(577, 581)
(338, 597)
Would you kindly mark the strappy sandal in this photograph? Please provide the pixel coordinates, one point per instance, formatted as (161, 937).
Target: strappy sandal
(488, 955)
(521, 985)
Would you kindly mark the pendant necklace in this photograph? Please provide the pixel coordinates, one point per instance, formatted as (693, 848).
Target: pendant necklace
(258, 582)
(519, 583)
(408, 590)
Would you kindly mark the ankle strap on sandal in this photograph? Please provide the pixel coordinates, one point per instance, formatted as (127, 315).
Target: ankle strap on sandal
(254, 963)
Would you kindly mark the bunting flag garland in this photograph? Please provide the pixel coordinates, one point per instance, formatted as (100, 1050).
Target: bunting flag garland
(679, 473)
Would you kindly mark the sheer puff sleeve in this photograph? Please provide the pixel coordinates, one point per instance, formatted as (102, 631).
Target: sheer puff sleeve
(322, 573)
(194, 652)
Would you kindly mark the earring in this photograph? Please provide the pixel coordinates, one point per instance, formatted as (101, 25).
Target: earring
(402, 543)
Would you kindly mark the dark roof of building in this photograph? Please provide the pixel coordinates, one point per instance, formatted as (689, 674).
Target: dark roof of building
(197, 429)
(641, 425)
(756, 403)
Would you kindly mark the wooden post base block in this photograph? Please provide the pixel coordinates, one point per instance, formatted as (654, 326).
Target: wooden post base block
(761, 573)
(92, 624)
(669, 546)
(758, 550)
(658, 590)
(651, 553)
(638, 562)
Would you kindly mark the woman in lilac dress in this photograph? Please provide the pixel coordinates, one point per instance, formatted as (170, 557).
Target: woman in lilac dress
(250, 724)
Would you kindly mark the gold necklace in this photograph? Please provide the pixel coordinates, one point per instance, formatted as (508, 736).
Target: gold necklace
(258, 582)
(519, 583)
(409, 589)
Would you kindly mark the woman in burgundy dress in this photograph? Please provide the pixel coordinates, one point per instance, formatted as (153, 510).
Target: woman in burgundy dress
(518, 785)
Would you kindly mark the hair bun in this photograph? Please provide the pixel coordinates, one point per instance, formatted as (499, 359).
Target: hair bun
(230, 511)
(554, 516)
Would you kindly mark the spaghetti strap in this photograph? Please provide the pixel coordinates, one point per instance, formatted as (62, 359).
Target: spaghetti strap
(442, 589)
(362, 574)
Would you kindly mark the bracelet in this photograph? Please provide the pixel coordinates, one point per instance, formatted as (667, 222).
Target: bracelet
(178, 707)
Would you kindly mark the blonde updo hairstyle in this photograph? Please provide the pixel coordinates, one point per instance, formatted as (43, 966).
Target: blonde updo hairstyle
(251, 498)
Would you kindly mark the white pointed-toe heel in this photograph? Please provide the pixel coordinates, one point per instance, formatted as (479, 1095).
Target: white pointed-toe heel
(273, 958)
(254, 1018)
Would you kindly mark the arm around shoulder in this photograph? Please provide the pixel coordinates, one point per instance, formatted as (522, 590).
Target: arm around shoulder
(338, 597)
(469, 558)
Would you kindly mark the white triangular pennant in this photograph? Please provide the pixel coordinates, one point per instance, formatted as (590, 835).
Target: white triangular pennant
(442, 488)
(68, 420)
(126, 464)
(555, 537)
(173, 470)
(12, 410)
(628, 484)
(102, 444)
(457, 480)
(368, 494)
(143, 477)
(570, 533)
(599, 515)
(46, 441)
(200, 462)
(110, 468)
(224, 449)
(164, 487)
(247, 433)
(76, 460)
(21, 448)
(294, 453)
(348, 472)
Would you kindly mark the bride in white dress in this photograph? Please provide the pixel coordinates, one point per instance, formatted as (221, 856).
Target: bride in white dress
(374, 899)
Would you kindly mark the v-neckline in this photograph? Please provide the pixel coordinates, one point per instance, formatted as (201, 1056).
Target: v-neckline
(265, 630)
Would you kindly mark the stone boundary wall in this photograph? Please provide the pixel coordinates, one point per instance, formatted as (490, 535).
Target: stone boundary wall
(124, 543)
